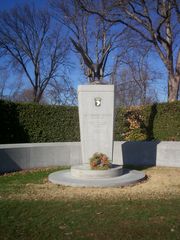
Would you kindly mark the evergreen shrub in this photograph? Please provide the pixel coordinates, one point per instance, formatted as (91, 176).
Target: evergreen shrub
(32, 123)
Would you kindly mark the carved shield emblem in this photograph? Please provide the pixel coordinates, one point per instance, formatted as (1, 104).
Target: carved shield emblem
(97, 101)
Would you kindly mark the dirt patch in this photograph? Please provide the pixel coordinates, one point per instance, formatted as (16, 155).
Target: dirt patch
(161, 183)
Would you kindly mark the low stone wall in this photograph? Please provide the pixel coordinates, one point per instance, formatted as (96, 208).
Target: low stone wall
(147, 153)
(15, 157)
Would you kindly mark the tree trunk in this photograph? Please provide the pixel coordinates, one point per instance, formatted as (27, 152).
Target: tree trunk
(174, 81)
(173, 87)
(37, 95)
(36, 100)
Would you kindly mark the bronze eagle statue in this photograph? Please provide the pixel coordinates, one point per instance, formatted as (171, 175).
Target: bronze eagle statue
(96, 70)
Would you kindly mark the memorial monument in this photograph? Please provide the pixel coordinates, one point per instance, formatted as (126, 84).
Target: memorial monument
(96, 117)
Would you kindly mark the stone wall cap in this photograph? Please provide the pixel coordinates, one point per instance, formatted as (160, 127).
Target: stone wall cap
(34, 145)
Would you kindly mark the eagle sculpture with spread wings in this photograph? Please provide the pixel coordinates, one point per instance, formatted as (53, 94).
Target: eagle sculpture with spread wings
(96, 71)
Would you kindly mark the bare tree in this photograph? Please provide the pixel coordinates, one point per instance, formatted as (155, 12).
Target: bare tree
(26, 95)
(158, 22)
(134, 78)
(8, 88)
(93, 38)
(32, 43)
(62, 93)
(3, 82)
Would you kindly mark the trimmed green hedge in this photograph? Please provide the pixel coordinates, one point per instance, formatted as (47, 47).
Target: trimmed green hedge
(153, 122)
(29, 122)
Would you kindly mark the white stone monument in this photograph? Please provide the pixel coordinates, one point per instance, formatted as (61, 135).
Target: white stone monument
(96, 115)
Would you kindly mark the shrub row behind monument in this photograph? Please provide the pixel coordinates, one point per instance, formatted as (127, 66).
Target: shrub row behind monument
(29, 122)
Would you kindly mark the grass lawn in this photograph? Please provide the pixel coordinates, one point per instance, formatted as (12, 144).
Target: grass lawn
(32, 208)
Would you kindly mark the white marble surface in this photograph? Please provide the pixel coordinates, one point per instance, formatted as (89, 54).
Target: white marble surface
(96, 113)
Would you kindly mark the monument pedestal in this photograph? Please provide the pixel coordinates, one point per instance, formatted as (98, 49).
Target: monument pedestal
(84, 171)
(96, 115)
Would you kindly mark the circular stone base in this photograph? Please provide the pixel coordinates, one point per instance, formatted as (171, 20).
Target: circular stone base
(85, 171)
(126, 178)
